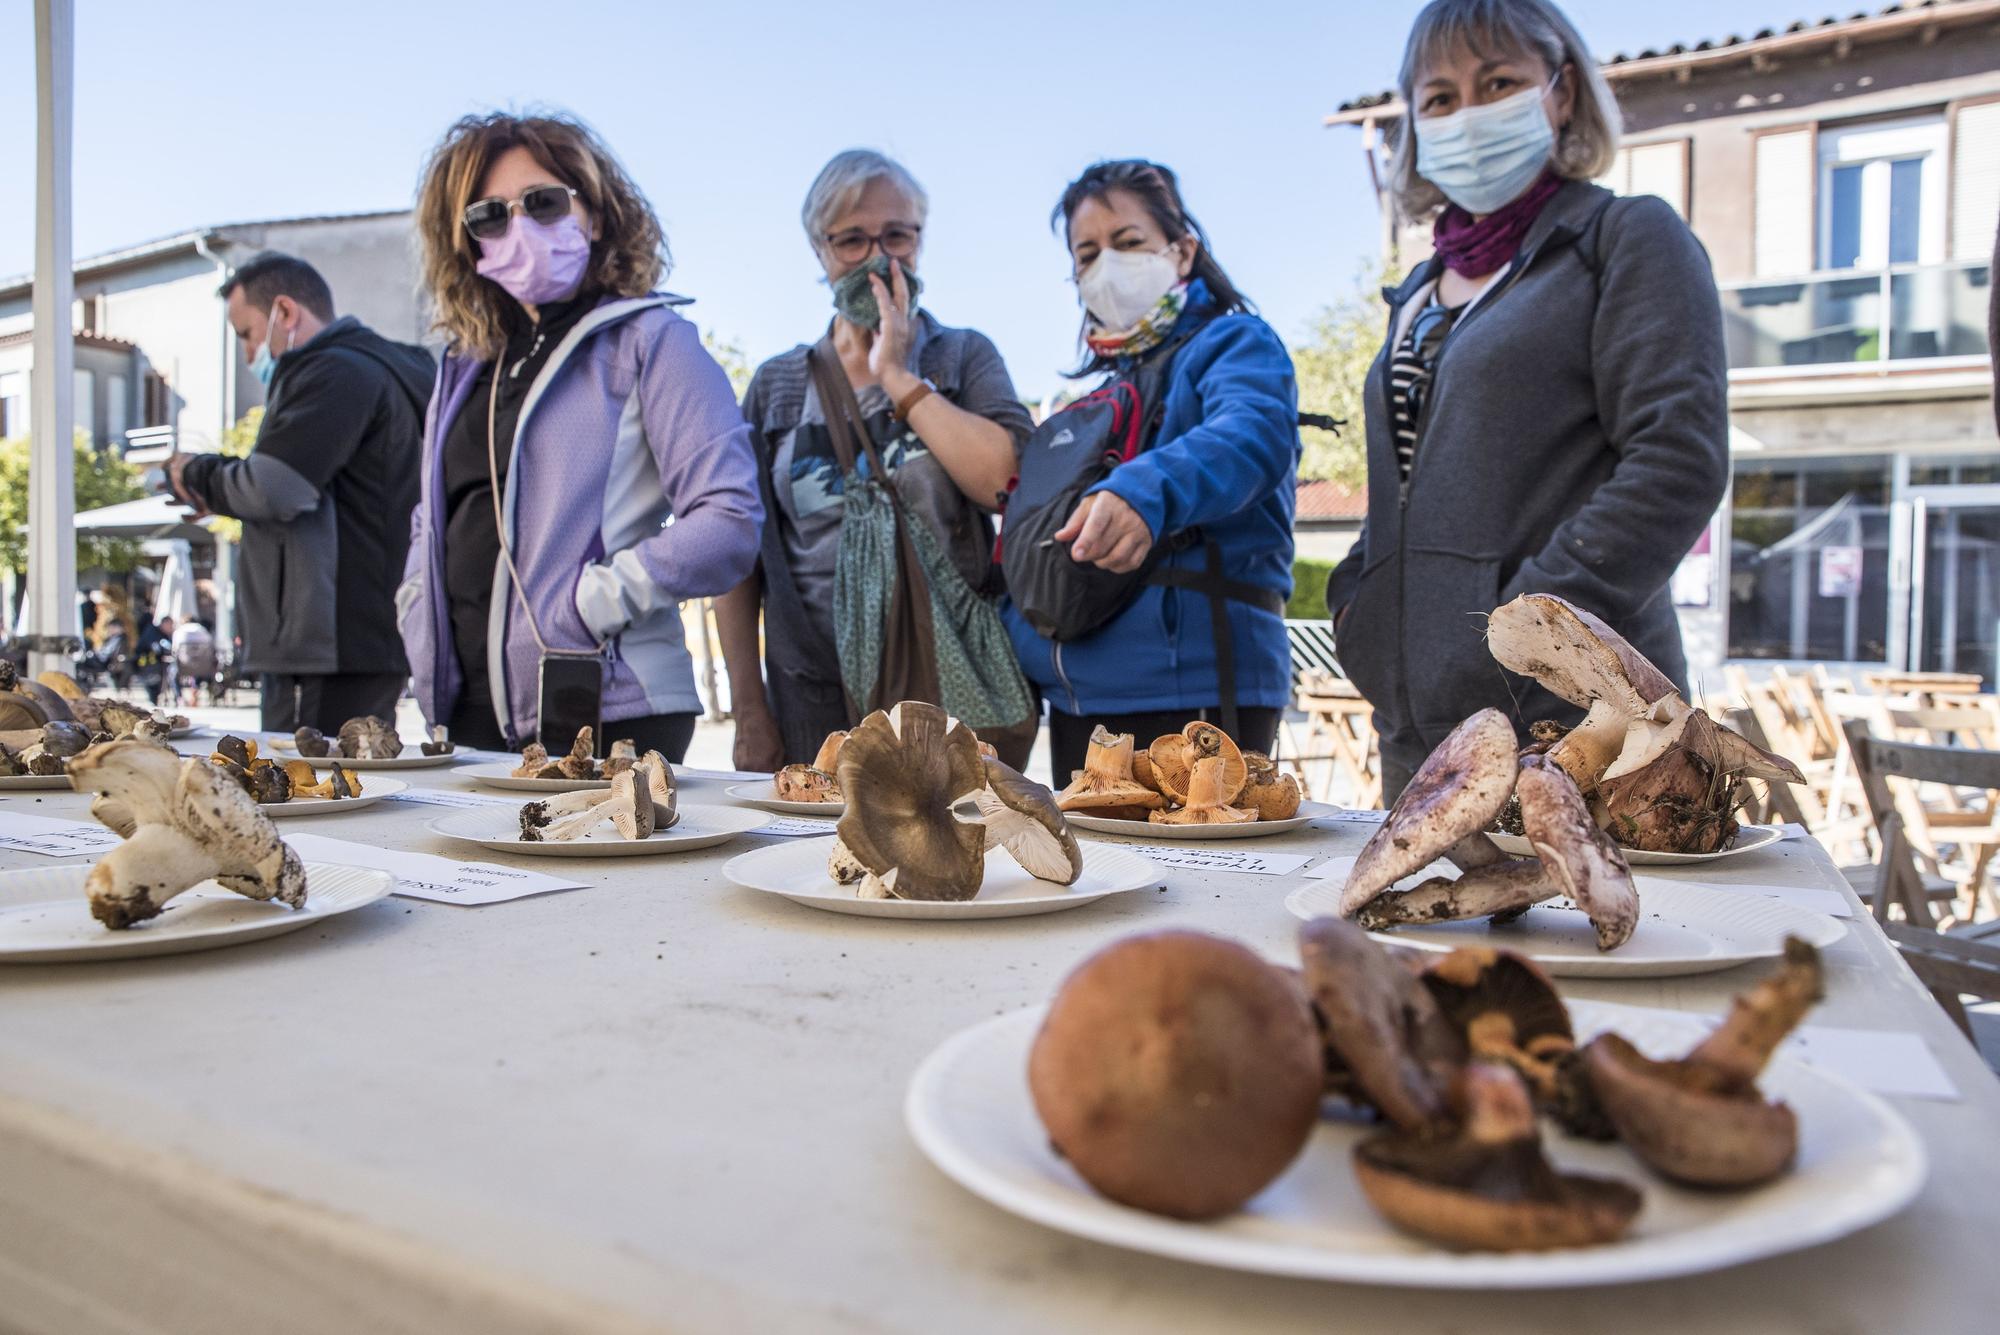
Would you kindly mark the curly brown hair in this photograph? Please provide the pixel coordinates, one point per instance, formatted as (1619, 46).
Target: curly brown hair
(628, 259)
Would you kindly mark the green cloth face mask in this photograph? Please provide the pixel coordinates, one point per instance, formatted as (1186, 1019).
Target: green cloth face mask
(855, 299)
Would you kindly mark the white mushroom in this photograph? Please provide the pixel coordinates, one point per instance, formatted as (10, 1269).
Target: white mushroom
(1022, 817)
(642, 797)
(190, 823)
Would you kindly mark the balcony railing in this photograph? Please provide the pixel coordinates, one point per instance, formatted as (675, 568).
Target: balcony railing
(1909, 313)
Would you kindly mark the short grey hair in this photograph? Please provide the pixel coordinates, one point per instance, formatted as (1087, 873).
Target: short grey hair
(1587, 146)
(841, 182)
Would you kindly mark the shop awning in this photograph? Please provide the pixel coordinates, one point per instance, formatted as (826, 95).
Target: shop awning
(147, 517)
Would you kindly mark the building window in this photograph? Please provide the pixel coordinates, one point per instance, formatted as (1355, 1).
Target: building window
(1809, 559)
(1652, 169)
(83, 404)
(1882, 193)
(117, 408)
(13, 405)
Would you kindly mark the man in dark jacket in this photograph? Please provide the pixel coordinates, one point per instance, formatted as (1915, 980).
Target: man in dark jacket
(325, 497)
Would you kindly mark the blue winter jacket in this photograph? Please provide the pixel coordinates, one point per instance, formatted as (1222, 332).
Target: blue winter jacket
(1226, 459)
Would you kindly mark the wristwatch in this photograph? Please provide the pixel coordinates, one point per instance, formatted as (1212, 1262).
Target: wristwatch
(916, 396)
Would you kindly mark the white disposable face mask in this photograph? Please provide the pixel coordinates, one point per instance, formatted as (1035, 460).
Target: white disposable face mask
(1484, 157)
(1121, 286)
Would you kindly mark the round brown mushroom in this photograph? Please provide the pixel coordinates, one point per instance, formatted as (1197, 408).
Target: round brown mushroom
(1270, 792)
(1485, 1185)
(1455, 794)
(1206, 804)
(900, 773)
(1701, 1120)
(1387, 1044)
(1178, 1073)
(1106, 777)
(1022, 817)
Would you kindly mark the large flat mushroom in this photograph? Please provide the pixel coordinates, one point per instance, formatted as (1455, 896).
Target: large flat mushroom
(900, 774)
(1450, 801)
(1022, 817)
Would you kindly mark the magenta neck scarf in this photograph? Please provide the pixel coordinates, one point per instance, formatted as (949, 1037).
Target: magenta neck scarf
(1476, 249)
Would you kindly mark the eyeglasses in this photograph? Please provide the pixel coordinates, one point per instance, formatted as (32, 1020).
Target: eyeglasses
(486, 219)
(898, 241)
(1427, 335)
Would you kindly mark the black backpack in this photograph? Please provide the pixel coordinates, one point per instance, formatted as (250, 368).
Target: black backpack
(1071, 452)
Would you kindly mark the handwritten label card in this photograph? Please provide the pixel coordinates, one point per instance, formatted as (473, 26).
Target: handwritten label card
(438, 797)
(425, 876)
(1221, 859)
(54, 838)
(798, 827)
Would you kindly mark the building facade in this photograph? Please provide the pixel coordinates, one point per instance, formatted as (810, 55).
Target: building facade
(154, 348)
(1844, 176)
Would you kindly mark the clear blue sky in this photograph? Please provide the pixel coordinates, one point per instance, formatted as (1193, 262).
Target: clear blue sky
(233, 111)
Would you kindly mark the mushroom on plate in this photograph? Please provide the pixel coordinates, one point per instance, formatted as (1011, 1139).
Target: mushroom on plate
(1269, 791)
(1171, 761)
(1701, 1120)
(817, 782)
(335, 783)
(266, 783)
(901, 770)
(1659, 774)
(581, 762)
(1207, 798)
(642, 798)
(1508, 1010)
(440, 743)
(369, 738)
(624, 755)
(1388, 1045)
(1443, 812)
(1022, 817)
(1482, 1182)
(238, 751)
(534, 759)
(1106, 781)
(1177, 1073)
(188, 823)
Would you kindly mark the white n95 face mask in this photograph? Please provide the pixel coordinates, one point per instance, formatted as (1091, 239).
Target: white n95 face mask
(1121, 286)
(1483, 157)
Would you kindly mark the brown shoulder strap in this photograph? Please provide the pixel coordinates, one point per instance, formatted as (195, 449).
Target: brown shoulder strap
(846, 426)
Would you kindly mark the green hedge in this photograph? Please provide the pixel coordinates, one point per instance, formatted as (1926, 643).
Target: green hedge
(1308, 590)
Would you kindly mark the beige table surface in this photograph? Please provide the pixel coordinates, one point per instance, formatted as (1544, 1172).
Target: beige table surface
(665, 1103)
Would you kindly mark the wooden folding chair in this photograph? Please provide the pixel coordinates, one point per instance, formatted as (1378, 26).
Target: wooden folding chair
(1963, 962)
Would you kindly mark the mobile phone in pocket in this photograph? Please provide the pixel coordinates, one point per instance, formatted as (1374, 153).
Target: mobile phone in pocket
(571, 698)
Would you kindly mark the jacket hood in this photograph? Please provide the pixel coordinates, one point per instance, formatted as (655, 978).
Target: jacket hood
(411, 366)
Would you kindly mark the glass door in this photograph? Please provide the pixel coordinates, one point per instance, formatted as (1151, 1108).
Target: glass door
(1954, 576)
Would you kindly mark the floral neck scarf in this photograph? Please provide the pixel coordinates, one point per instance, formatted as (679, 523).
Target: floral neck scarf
(1149, 333)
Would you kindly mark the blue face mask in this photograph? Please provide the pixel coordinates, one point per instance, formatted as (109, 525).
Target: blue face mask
(1484, 157)
(264, 365)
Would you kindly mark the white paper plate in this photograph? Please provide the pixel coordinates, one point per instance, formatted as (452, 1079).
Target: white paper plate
(372, 791)
(1859, 1162)
(796, 870)
(1254, 829)
(35, 783)
(58, 927)
(179, 734)
(500, 774)
(1684, 928)
(499, 828)
(765, 795)
(411, 758)
(1748, 838)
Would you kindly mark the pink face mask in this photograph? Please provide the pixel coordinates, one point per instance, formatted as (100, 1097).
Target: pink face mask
(536, 262)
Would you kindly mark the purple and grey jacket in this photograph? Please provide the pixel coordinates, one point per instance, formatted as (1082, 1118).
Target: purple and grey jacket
(632, 486)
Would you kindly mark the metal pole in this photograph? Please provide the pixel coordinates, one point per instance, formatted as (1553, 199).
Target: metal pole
(51, 463)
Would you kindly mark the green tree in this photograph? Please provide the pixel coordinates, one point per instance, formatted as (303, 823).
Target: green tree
(102, 478)
(735, 364)
(1332, 362)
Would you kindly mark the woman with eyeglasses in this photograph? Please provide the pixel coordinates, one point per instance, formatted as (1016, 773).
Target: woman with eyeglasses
(576, 414)
(1204, 504)
(939, 404)
(1548, 413)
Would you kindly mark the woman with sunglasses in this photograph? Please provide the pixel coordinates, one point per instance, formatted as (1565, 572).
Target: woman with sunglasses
(1548, 413)
(941, 408)
(576, 413)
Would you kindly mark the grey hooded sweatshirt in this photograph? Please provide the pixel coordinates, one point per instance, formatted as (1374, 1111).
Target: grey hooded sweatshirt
(1575, 441)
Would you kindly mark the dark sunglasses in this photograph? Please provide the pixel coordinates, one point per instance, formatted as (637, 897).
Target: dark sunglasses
(486, 219)
(1427, 334)
(898, 242)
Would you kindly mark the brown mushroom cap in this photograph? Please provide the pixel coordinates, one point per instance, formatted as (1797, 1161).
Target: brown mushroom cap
(1271, 794)
(1700, 1119)
(1106, 777)
(1487, 1186)
(803, 783)
(1022, 817)
(1172, 759)
(369, 738)
(624, 755)
(62, 683)
(1509, 1011)
(1178, 1073)
(1591, 870)
(1573, 654)
(828, 759)
(312, 742)
(1382, 1028)
(534, 759)
(900, 773)
(1455, 793)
